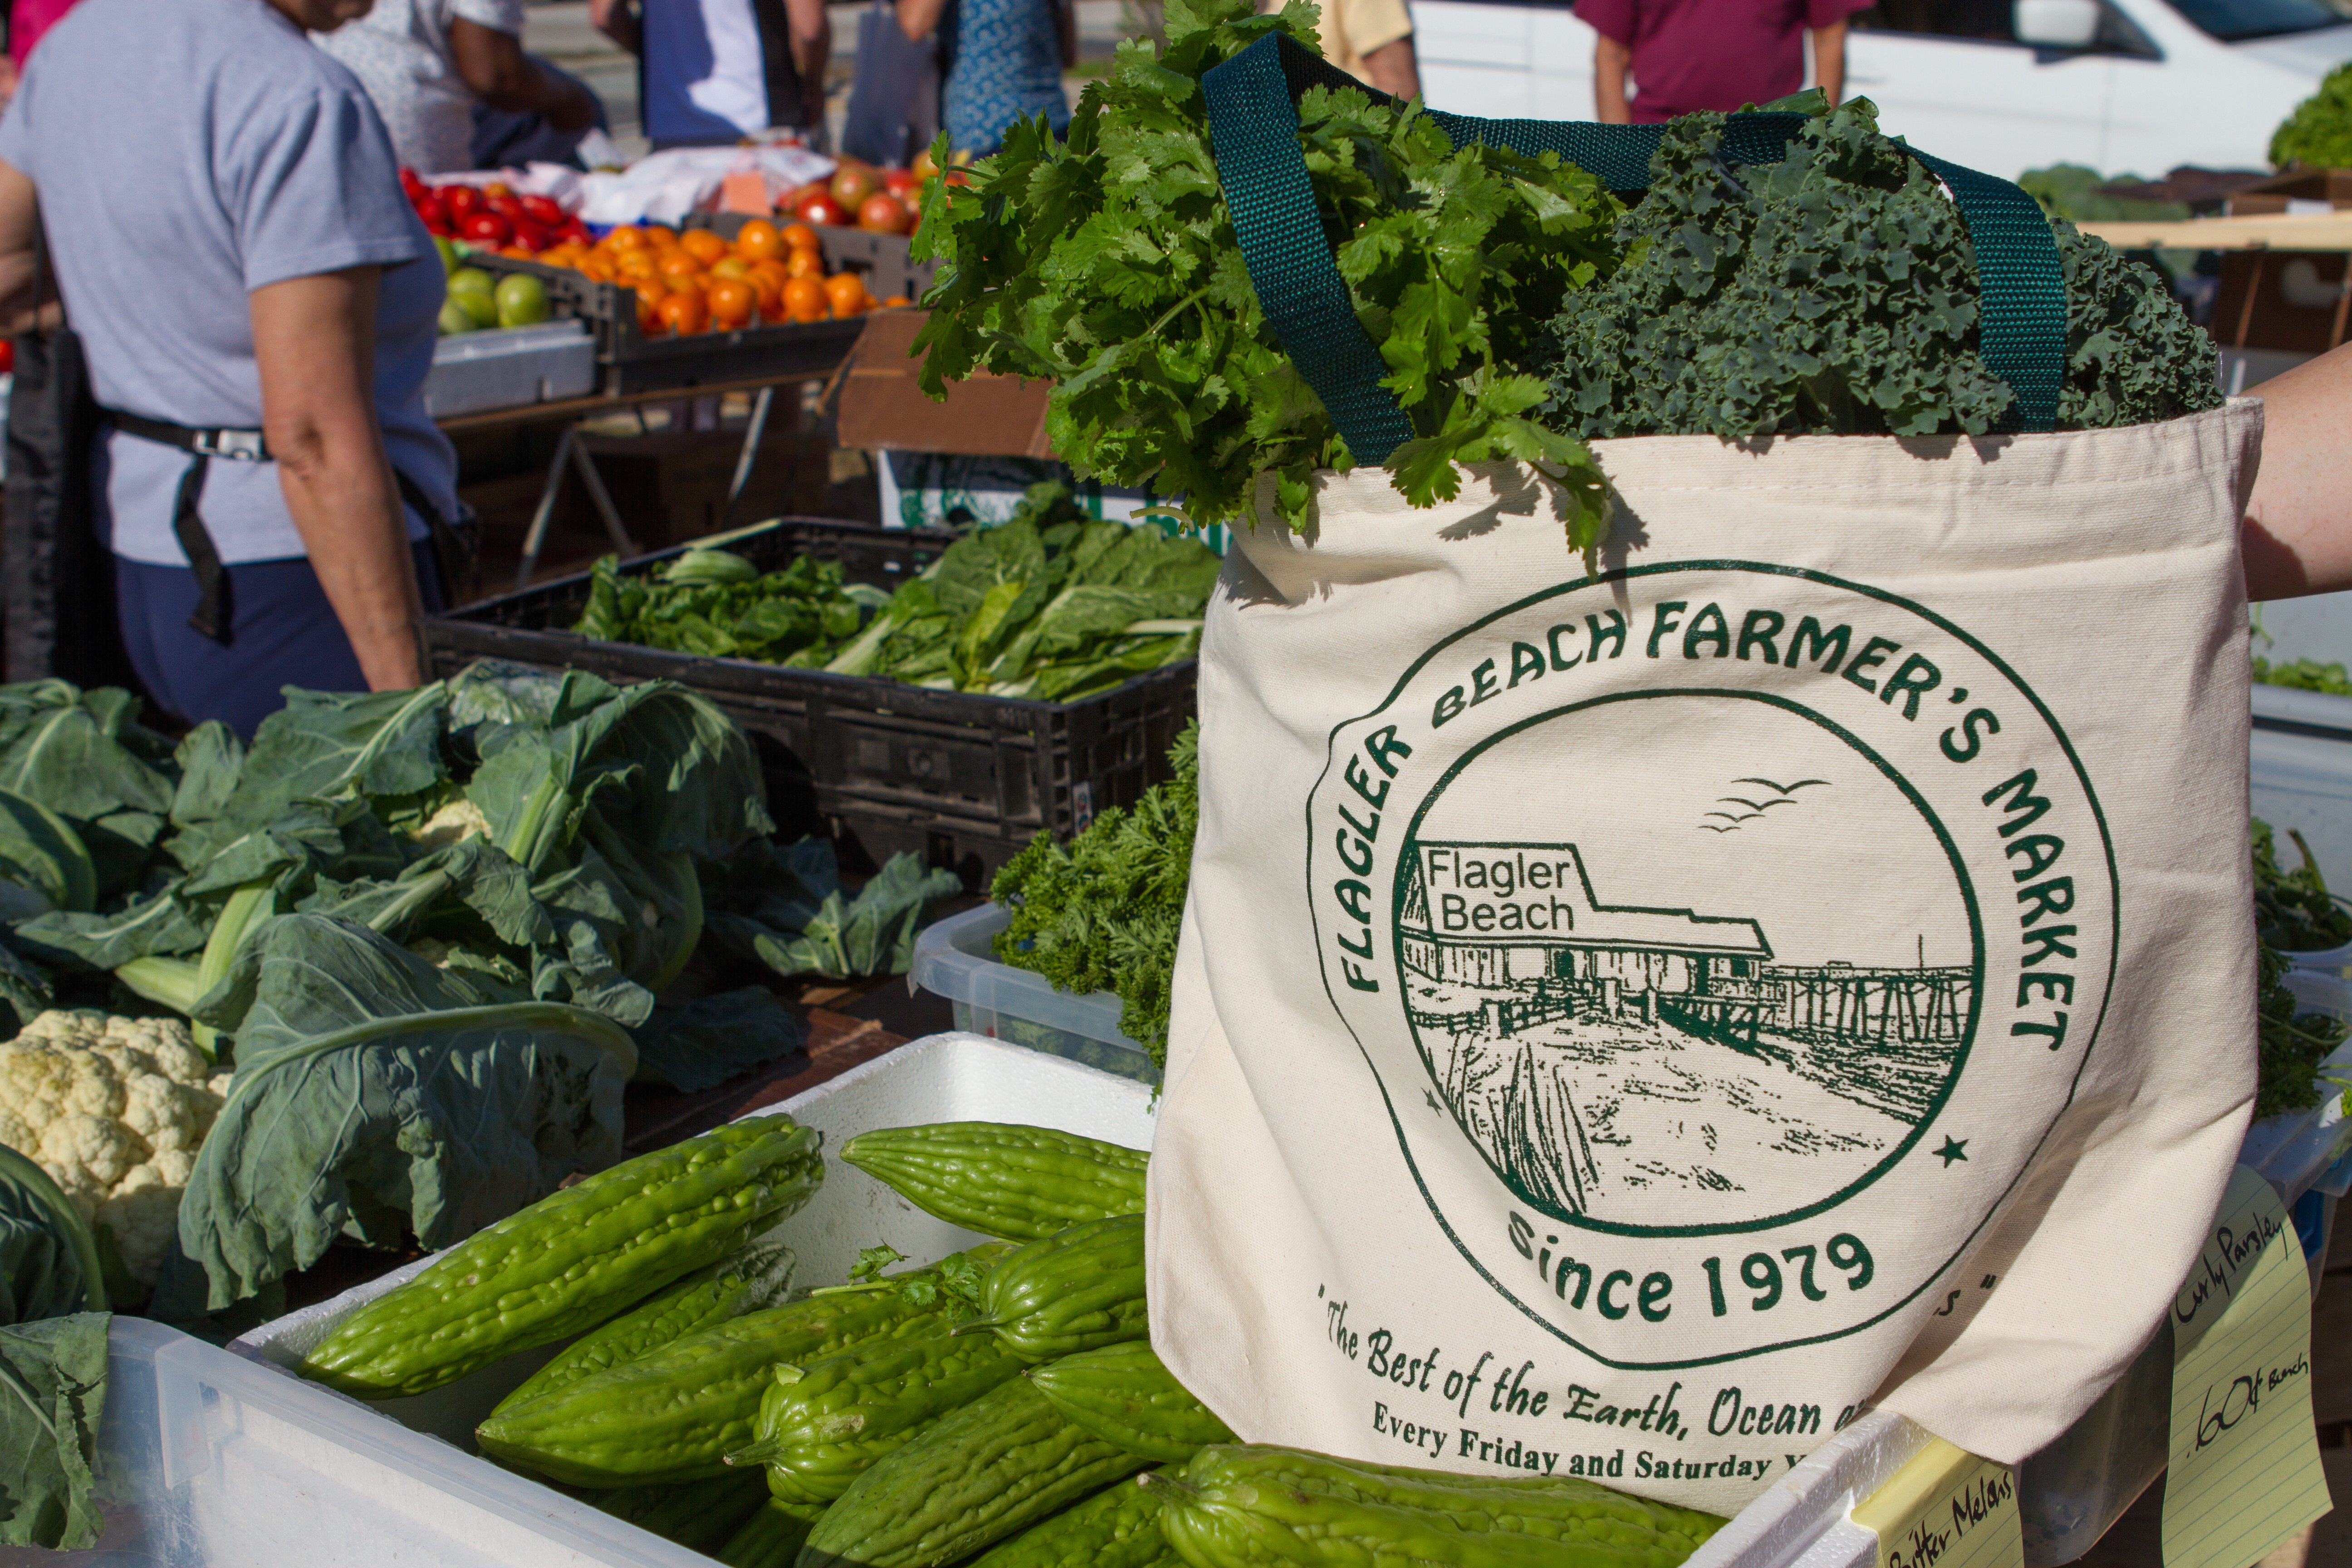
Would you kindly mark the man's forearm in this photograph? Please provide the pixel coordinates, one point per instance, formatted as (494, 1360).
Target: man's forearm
(1829, 60)
(1610, 62)
(1394, 69)
(617, 20)
(811, 38)
(348, 511)
(2297, 537)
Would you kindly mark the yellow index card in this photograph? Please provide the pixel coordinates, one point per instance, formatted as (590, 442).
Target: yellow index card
(1946, 1509)
(2244, 1460)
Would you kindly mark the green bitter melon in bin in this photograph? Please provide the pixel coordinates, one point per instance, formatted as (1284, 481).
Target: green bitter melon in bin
(1003, 1179)
(573, 1259)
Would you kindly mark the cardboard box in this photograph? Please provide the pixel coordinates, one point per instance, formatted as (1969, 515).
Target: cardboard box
(882, 408)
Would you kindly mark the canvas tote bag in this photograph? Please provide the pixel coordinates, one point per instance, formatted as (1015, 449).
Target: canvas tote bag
(1629, 1023)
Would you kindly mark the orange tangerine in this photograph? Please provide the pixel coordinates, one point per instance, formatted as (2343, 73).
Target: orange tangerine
(846, 292)
(730, 266)
(678, 266)
(732, 300)
(804, 299)
(804, 264)
(624, 237)
(703, 245)
(758, 240)
(650, 297)
(683, 312)
(800, 237)
(596, 269)
(897, 302)
(769, 278)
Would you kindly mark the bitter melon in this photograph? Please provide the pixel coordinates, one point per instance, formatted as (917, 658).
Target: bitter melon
(1124, 1395)
(1003, 1179)
(1236, 1507)
(676, 1412)
(970, 1479)
(697, 1515)
(573, 1260)
(1076, 1290)
(771, 1538)
(758, 1276)
(1119, 1527)
(825, 1423)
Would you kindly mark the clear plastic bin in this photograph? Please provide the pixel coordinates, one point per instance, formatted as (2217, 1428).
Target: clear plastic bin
(2302, 778)
(956, 959)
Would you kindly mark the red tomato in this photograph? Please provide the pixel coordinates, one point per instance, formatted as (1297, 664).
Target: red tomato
(411, 182)
(882, 214)
(543, 210)
(575, 232)
(431, 208)
(533, 237)
(506, 206)
(485, 228)
(7, 355)
(899, 182)
(822, 209)
(852, 183)
(463, 201)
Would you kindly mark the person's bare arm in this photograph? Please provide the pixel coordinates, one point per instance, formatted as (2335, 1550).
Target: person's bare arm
(494, 69)
(617, 20)
(314, 343)
(810, 32)
(1610, 61)
(19, 221)
(1829, 60)
(1066, 30)
(1394, 70)
(917, 18)
(2297, 537)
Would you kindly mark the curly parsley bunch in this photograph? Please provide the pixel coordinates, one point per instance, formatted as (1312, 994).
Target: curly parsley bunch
(1834, 293)
(1108, 265)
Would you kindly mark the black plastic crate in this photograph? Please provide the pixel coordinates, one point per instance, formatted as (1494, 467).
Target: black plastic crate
(628, 361)
(961, 779)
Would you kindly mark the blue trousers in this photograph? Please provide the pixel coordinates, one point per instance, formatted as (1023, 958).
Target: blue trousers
(282, 632)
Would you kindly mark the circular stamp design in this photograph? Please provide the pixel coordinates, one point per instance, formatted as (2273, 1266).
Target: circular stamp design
(1725, 940)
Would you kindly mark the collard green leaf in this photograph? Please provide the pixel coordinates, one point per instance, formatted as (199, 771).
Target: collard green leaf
(52, 1397)
(375, 1094)
(48, 1259)
(710, 1040)
(324, 744)
(161, 924)
(842, 939)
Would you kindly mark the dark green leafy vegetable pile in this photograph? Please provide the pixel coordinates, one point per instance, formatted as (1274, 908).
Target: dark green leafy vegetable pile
(2318, 134)
(1835, 293)
(715, 604)
(1102, 914)
(2304, 675)
(433, 926)
(53, 1323)
(1049, 603)
(1107, 265)
(2293, 912)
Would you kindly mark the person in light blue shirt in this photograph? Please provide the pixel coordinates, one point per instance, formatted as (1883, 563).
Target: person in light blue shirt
(1005, 63)
(231, 244)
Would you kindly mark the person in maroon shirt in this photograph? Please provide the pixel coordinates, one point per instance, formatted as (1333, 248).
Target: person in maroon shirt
(1689, 54)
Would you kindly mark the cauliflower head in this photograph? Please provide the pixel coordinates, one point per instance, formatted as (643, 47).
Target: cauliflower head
(114, 1110)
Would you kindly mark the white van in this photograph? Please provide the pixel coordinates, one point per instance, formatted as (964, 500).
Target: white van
(2004, 86)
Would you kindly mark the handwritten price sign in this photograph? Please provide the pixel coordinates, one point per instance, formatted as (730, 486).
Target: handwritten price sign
(1946, 1508)
(2245, 1470)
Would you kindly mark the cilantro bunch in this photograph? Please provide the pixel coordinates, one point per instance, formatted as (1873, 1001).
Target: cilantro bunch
(1107, 264)
(1835, 293)
(1102, 914)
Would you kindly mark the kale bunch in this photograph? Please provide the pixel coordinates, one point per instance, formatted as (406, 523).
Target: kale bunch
(2318, 134)
(1835, 293)
(1107, 264)
(1102, 914)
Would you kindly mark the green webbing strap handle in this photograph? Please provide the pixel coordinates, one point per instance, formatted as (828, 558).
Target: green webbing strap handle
(1253, 102)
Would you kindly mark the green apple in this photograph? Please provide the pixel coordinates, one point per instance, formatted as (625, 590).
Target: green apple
(471, 281)
(455, 319)
(449, 254)
(521, 300)
(480, 308)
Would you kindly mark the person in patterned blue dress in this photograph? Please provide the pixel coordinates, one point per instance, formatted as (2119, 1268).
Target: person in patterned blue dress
(1006, 59)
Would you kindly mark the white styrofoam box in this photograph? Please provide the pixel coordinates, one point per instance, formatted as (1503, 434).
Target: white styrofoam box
(206, 1460)
(954, 958)
(510, 368)
(942, 1078)
(1802, 1521)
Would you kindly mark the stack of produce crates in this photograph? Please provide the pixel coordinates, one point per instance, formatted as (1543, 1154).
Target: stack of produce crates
(961, 779)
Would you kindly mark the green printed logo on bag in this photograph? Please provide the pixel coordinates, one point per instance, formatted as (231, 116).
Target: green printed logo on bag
(1722, 924)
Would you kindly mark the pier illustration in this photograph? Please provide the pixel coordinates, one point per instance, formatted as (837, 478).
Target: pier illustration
(1657, 1066)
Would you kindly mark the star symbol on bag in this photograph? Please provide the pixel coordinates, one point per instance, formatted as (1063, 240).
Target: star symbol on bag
(1952, 1149)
